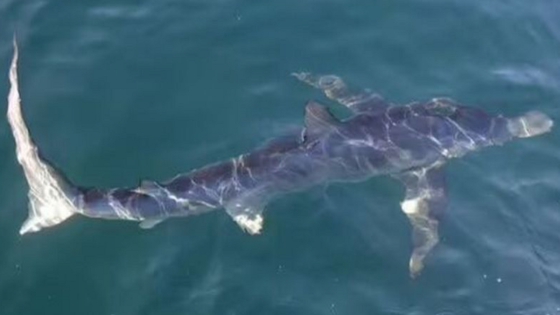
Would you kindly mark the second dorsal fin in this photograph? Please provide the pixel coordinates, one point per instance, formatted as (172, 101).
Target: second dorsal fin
(318, 120)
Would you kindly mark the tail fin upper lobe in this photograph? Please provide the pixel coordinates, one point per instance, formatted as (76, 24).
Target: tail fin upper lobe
(52, 198)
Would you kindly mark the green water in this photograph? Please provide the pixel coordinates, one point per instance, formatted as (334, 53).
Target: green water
(115, 91)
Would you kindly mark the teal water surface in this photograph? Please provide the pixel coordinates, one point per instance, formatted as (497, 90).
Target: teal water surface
(115, 91)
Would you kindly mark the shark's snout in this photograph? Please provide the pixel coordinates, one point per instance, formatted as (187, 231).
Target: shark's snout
(530, 124)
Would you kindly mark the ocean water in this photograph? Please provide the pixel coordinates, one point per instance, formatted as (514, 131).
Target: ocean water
(115, 91)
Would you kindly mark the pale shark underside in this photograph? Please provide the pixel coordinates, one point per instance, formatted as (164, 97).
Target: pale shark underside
(410, 143)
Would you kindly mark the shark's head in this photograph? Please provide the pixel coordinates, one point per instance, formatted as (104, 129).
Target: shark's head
(530, 124)
(489, 129)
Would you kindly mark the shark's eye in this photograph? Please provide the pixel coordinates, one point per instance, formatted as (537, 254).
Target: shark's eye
(441, 107)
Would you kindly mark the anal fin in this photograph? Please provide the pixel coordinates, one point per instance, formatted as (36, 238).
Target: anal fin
(149, 223)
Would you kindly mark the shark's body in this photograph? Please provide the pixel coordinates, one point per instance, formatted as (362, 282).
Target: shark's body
(410, 143)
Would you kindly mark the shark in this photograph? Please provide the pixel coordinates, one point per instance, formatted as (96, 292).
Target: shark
(410, 143)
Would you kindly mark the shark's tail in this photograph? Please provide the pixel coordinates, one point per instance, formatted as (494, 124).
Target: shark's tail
(52, 198)
(530, 124)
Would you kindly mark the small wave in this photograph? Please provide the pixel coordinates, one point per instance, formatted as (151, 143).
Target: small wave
(526, 75)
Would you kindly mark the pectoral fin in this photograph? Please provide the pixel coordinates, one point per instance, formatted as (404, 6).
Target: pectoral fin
(424, 203)
(247, 214)
(334, 88)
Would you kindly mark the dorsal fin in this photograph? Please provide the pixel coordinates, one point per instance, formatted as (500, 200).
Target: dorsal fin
(318, 120)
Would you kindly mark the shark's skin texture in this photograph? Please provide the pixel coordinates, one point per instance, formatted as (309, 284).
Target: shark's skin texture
(410, 143)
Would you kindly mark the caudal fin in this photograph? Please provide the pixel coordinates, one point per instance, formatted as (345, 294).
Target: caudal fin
(52, 199)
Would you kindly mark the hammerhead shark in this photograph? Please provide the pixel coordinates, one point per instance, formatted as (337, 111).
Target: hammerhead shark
(410, 143)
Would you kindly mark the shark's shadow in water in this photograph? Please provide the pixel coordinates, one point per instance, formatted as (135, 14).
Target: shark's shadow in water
(410, 143)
